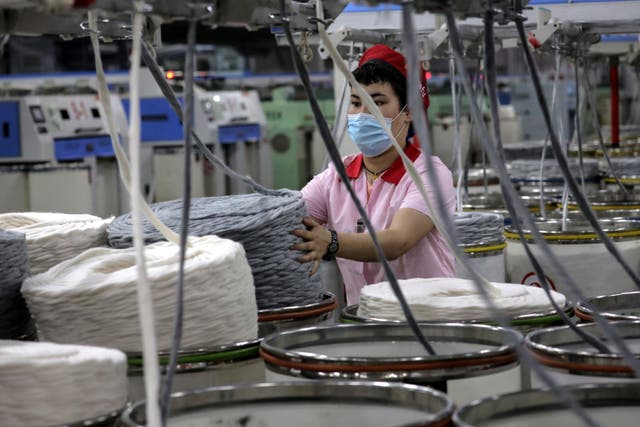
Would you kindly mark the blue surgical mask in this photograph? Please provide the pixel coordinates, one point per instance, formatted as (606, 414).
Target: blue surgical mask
(368, 134)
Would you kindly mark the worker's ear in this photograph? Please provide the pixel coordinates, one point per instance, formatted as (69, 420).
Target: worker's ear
(406, 115)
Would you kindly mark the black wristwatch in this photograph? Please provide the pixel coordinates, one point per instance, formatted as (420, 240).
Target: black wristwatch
(332, 247)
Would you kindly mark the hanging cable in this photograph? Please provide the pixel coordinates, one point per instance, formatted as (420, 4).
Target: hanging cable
(373, 108)
(490, 73)
(187, 120)
(515, 204)
(517, 210)
(562, 162)
(577, 130)
(337, 161)
(457, 143)
(524, 354)
(172, 98)
(444, 220)
(554, 106)
(145, 304)
(492, 89)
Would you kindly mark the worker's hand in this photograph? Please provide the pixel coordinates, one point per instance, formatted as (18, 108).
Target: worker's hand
(316, 239)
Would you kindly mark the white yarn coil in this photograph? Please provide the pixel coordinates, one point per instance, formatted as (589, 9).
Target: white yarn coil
(56, 237)
(530, 169)
(91, 299)
(46, 384)
(448, 299)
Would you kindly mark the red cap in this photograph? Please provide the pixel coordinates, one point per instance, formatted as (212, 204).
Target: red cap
(83, 3)
(385, 53)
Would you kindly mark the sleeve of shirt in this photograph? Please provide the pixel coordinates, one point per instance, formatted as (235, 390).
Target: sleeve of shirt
(414, 199)
(315, 195)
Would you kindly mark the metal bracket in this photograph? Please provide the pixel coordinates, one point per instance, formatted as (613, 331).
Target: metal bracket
(545, 28)
(430, 43)
(336, 38)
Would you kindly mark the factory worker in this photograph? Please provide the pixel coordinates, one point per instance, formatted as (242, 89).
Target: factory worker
(394, 204)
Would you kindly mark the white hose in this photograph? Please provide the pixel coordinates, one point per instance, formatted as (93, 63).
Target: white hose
(457, 143)
(123, 162)
(145, 306)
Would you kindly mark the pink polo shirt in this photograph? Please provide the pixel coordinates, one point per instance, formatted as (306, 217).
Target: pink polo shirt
(327, 200)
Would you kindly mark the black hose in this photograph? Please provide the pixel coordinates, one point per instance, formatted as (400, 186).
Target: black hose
(511, 196)
(337, 161)
(577, 123)
(187, 120)
(490, 72)
(422, 131)
(172, 98)
(562, 162)
(492, 89)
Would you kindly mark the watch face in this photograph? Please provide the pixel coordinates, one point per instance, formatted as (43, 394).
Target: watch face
(333, 247)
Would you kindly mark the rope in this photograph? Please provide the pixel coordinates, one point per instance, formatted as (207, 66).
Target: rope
(14, 268)
(55, 237)
(92, 300)
(261, 223)
(479, 228)
(184, 219)
(144, 296)
(47, 384)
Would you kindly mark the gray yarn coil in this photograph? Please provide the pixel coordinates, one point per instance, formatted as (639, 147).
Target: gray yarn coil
(530, 150)
(479, 228)
(626, 166)
(14, 268)
(530, 169)
(261, 223)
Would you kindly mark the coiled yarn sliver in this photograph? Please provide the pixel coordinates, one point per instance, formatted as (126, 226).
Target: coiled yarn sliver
(479, 228)
(56, 237)
(626, 166)
(14, 269)
(46, 384)
(530, 169)
(92, 299)
(262, 223)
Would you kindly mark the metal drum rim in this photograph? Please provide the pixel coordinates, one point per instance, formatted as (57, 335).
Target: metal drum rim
(579, 236)
(523, 319)
(494, 407)
(279, 351)
(585, 313)
(222, 353)
(580, 360)
(328, 300)
(405, 395)
(110, 418)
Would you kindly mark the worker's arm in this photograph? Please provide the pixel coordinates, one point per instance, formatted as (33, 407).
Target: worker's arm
(407, 228)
